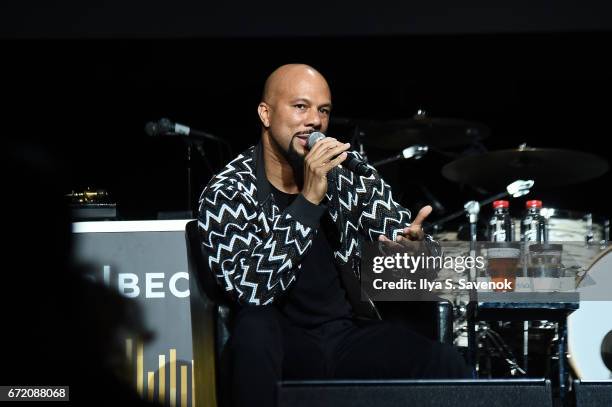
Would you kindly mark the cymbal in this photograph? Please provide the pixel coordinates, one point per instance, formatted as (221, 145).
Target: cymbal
(547, 167)
(421, 129)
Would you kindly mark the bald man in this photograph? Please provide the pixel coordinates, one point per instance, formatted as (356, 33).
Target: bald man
(282, 226)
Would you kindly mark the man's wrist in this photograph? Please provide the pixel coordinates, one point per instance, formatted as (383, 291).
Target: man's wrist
(306, 212)
(311, 199)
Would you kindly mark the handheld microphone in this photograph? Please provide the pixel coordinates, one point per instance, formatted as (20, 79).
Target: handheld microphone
(353, 163)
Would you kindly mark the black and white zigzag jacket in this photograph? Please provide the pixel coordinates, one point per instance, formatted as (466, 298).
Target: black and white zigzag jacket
(255, 250)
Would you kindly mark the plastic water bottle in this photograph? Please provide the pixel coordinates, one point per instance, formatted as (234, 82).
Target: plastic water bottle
(500, 225)
(533, 225)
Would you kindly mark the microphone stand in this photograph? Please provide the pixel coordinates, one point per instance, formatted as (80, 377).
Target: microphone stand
(473, 209)
(416, 151)
(192, 137)
(455, 215)
(189, 186)
(516, 189)
(191, 143)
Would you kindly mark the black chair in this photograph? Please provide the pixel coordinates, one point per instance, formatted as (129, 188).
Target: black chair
(211, 319)
(211, 315)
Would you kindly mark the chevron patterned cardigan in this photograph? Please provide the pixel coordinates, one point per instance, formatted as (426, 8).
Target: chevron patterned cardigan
(255, 250)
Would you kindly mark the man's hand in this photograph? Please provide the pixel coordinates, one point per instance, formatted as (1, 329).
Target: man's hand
(326, 154)
(415, 231)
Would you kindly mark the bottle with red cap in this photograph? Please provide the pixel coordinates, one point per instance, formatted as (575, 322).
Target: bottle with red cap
(533, 225)
(500, 225)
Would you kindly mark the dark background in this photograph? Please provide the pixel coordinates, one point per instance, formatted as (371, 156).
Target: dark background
(82, 81)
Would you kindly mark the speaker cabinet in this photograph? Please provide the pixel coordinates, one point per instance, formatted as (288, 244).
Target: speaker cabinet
(593, 393)
(422, 393)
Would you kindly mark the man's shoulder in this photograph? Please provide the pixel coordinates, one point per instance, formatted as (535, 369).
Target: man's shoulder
(242, 164)
(238, 174)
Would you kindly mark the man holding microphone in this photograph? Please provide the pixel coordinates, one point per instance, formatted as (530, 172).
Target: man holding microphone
(282, 226)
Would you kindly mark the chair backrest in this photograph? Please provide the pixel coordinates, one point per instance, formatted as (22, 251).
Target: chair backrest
(198, 264)
(211, 320)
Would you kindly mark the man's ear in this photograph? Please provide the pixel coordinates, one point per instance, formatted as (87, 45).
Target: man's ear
(264, 114)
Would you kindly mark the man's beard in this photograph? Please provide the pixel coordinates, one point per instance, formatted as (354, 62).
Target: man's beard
(296, 162)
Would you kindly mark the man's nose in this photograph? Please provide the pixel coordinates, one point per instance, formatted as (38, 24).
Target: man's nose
(314, 118)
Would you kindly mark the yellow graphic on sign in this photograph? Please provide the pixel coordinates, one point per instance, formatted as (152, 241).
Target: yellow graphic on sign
(154, 388)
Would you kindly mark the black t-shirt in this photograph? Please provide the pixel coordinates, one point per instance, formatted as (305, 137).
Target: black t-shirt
(317, 295)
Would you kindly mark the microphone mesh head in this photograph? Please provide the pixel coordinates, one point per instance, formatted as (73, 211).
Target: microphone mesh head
(313, 138)
(166, 126)
(151, 129)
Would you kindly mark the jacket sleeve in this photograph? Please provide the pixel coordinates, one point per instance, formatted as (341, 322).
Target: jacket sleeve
(381, 215)
(253, 259)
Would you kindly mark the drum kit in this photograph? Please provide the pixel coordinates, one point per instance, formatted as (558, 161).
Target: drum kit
(488, 170)
(589, 334)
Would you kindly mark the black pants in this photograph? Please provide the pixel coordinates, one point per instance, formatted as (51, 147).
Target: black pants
(266, 348)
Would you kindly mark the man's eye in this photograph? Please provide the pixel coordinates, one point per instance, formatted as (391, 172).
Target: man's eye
(325, 111)
(300, 106)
